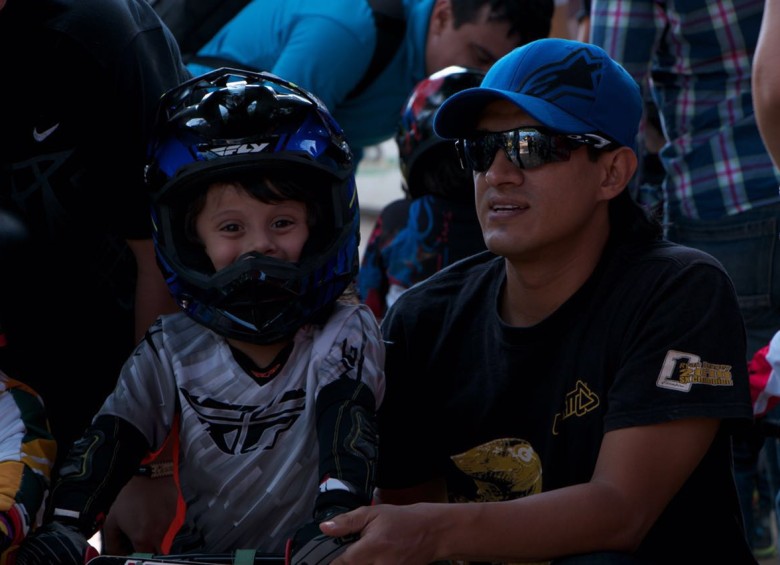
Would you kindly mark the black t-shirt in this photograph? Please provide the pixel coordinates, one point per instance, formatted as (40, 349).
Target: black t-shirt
(654, 335)
(81, 87)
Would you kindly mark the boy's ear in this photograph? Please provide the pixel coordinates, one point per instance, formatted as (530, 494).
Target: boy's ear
(441, 16)
(619, 167)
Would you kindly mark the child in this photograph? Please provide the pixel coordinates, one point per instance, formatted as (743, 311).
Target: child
(268, 381)
(436, 223)
(27, 452)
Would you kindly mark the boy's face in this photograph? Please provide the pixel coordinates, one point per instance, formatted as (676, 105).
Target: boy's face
(233, 223)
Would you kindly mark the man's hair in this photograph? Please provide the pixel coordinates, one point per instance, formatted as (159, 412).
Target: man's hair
(529, 19)
(627, 219)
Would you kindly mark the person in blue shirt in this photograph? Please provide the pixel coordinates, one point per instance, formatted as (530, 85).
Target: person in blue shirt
(326, 47)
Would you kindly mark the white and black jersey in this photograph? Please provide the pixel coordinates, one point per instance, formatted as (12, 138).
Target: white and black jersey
(248, 451)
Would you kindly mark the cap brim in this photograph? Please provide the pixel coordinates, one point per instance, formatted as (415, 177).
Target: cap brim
(457, 116)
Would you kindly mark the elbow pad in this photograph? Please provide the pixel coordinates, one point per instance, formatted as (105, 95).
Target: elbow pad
(348, 439)
(97, 467)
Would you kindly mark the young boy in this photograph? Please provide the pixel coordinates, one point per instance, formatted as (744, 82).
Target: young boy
(268, 382)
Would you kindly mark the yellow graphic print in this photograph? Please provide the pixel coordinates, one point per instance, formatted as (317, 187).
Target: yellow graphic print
(502, 469)
(578, 402)
(705, 373)
(681, 370)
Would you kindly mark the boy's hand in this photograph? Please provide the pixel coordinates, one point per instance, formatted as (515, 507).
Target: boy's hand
(55, 543)
(309, 546)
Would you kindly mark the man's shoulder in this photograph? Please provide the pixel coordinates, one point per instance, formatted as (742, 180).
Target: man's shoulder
(672, 253)
(455, 283)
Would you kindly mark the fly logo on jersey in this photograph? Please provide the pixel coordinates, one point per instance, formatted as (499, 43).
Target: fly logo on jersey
(680, 371)
(239, 429)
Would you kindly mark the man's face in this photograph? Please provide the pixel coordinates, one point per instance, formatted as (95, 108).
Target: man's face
(551, 210)
(476, 44)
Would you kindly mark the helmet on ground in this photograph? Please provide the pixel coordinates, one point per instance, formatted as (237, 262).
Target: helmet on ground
(415, 135)
(235, 125)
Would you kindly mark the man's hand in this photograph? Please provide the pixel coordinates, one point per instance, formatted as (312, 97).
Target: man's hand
(140, 516)
(55, 544)
(388, 534)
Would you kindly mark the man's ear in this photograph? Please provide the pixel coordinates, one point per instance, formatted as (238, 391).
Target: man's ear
(619, 167)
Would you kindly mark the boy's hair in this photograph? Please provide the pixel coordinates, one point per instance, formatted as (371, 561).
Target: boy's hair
(270, 188)
(529, 19)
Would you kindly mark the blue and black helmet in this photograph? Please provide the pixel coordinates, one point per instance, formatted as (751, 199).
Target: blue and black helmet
(235, 124)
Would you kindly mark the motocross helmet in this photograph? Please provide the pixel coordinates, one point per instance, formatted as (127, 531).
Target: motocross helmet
(415, 133)
(231, 124)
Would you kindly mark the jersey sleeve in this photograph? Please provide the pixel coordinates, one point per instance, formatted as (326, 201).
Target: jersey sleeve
(145, 394)
(27, 451)
(356, 350)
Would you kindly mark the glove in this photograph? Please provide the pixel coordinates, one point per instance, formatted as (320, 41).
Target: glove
(13, 527)
(309, 546)
(55, 544)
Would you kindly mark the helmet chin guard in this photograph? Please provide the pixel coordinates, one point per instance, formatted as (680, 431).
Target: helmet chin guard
(232, 124)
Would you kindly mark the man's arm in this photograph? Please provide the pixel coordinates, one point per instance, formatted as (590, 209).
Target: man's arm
(766, 80)
(432, 491)
(631, 485)
(151, 294)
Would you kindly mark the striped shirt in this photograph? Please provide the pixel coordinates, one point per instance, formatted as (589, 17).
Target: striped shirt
(696, 57)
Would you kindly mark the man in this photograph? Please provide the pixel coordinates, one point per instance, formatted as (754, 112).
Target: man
(326, 48)
(575, 384)
(79, 283)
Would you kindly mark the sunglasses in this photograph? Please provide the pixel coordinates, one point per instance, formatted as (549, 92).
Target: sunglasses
(525, 147)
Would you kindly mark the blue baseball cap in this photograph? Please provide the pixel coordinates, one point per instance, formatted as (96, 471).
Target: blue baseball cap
(568, 86)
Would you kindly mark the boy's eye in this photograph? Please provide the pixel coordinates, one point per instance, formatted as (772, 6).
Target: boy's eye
(230, 227)
(282, 223)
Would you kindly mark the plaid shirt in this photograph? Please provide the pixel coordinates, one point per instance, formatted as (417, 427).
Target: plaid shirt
(696, 56)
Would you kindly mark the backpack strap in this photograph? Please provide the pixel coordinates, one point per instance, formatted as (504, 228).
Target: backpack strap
(390, 31)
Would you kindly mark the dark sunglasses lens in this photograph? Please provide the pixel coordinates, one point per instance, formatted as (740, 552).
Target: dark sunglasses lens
(527, 148)
(480, 152)
(534, 149)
